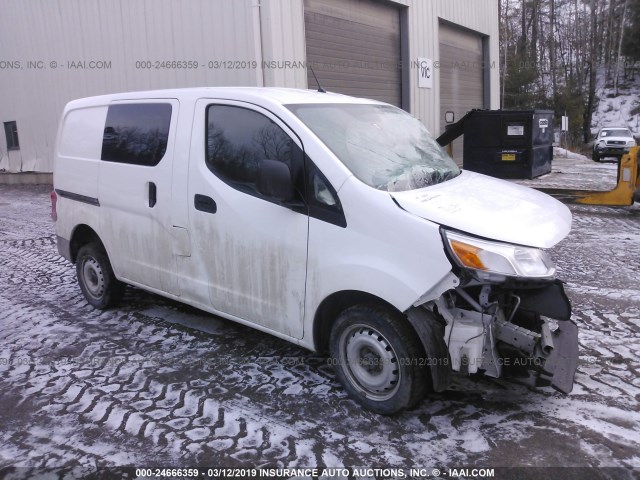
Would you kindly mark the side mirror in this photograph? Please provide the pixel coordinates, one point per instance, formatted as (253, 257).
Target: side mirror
(274, 180)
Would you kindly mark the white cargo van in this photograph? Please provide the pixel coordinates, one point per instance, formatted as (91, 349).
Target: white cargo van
(336, 223)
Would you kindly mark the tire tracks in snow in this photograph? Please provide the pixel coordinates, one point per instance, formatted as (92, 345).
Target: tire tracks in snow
(87, 387)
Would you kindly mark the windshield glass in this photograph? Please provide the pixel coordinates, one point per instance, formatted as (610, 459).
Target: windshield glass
(383, 146)
(622, 132)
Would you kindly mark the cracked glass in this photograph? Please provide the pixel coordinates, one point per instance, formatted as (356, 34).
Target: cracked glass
(383, 146)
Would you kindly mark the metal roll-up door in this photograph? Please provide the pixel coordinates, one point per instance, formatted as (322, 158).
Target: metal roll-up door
(461, 76)
(354, 47)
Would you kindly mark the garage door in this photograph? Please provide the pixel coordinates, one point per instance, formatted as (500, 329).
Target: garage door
(461, 76)
(354, 47)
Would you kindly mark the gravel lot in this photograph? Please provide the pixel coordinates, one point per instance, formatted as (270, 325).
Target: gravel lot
(157, 384)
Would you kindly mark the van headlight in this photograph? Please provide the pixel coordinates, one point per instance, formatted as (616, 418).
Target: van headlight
(631, 143)
(489, 258)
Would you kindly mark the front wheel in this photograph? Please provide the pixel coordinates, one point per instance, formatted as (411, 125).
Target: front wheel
(595, 156)
(99, 285)
(379, 359)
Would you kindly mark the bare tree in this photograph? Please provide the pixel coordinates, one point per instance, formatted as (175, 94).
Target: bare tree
(617, 73)
(591, 90)
(552, 50)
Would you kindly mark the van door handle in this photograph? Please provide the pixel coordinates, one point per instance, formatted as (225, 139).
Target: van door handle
(204, 203)
(152, 194)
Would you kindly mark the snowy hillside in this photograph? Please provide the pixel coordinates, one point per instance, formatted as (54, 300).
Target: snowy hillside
(620, 110)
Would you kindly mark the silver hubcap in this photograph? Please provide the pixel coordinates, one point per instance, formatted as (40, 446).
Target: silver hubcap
(369, 362)
(93, 277)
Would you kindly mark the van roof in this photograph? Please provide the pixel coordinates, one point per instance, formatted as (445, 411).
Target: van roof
(260, 95)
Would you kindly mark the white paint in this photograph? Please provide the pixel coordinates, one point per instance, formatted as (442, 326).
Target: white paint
(491, 208)
(254, 252)
(261, 263)
(140, 236)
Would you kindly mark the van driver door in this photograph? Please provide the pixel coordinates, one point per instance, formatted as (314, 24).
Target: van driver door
(254, 249)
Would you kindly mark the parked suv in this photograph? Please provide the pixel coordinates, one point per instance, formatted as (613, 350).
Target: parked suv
(333, 222)
(612, 142)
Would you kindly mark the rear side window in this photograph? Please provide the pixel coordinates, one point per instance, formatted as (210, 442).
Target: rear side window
(136, 133)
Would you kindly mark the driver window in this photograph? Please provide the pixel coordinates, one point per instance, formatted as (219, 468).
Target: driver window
(238, 139)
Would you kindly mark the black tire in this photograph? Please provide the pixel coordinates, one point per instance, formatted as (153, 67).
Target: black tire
(379, 359)
(595, 156)
(95, 276)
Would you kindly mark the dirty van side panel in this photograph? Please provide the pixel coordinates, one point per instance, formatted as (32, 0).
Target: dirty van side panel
(384, 251)
(135, 191)
(76, 165)
(254, 250)
(78, 155)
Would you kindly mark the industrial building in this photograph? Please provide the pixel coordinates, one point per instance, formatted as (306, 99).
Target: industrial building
(436, 59)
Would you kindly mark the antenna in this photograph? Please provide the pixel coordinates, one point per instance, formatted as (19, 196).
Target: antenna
(320, 89)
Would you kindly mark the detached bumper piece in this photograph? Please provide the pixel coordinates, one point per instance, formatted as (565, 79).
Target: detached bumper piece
(552, 355)
(561, 364)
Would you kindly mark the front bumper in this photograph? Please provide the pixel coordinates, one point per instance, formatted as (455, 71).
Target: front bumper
(612, 151)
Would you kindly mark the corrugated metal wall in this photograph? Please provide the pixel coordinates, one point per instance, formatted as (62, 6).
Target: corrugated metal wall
(118, 33)
(283, 41)
(121, 32)
(480, 16)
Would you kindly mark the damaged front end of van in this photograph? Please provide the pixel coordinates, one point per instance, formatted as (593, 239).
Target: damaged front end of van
(488, 298)
(508, 315)
(501, 311)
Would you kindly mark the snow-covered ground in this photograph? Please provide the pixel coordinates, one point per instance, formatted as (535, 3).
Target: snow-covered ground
(157, 384)
(574, 171)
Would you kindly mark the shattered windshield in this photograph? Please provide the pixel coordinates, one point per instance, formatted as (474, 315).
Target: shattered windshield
(383, 146)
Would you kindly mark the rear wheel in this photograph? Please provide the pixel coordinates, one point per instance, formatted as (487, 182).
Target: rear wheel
(379, 359)
(95, 276)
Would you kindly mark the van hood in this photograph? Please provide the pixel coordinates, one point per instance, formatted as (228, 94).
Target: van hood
(490, 208)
